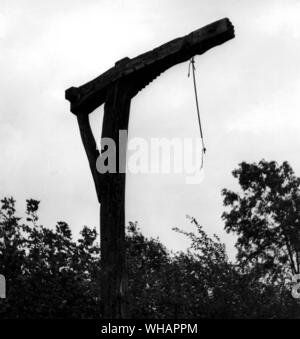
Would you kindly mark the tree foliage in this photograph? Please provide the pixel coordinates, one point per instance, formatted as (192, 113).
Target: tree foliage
(49, 275)
(265, 216)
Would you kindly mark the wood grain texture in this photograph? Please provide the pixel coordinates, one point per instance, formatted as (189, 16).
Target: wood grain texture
(88, 97)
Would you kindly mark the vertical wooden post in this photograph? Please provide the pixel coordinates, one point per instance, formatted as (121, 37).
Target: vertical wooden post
(114, 281)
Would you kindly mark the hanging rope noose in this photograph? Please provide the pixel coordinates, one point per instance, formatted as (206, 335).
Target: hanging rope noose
(192, 64)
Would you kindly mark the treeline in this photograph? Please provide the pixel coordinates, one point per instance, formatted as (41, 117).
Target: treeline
(49, 275)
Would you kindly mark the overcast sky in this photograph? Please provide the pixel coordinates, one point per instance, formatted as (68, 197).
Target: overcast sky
(248, 92)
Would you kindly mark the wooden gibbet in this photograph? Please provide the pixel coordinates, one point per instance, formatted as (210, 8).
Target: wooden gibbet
(115, 88)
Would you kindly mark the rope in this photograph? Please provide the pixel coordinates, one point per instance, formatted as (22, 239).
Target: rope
(192, 64)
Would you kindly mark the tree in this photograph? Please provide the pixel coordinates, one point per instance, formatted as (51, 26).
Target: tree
(49, 275)
(213, 287)
(265, 215)
(148, 261)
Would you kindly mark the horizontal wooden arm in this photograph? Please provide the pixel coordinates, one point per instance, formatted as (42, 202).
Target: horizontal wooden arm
(148, 66)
